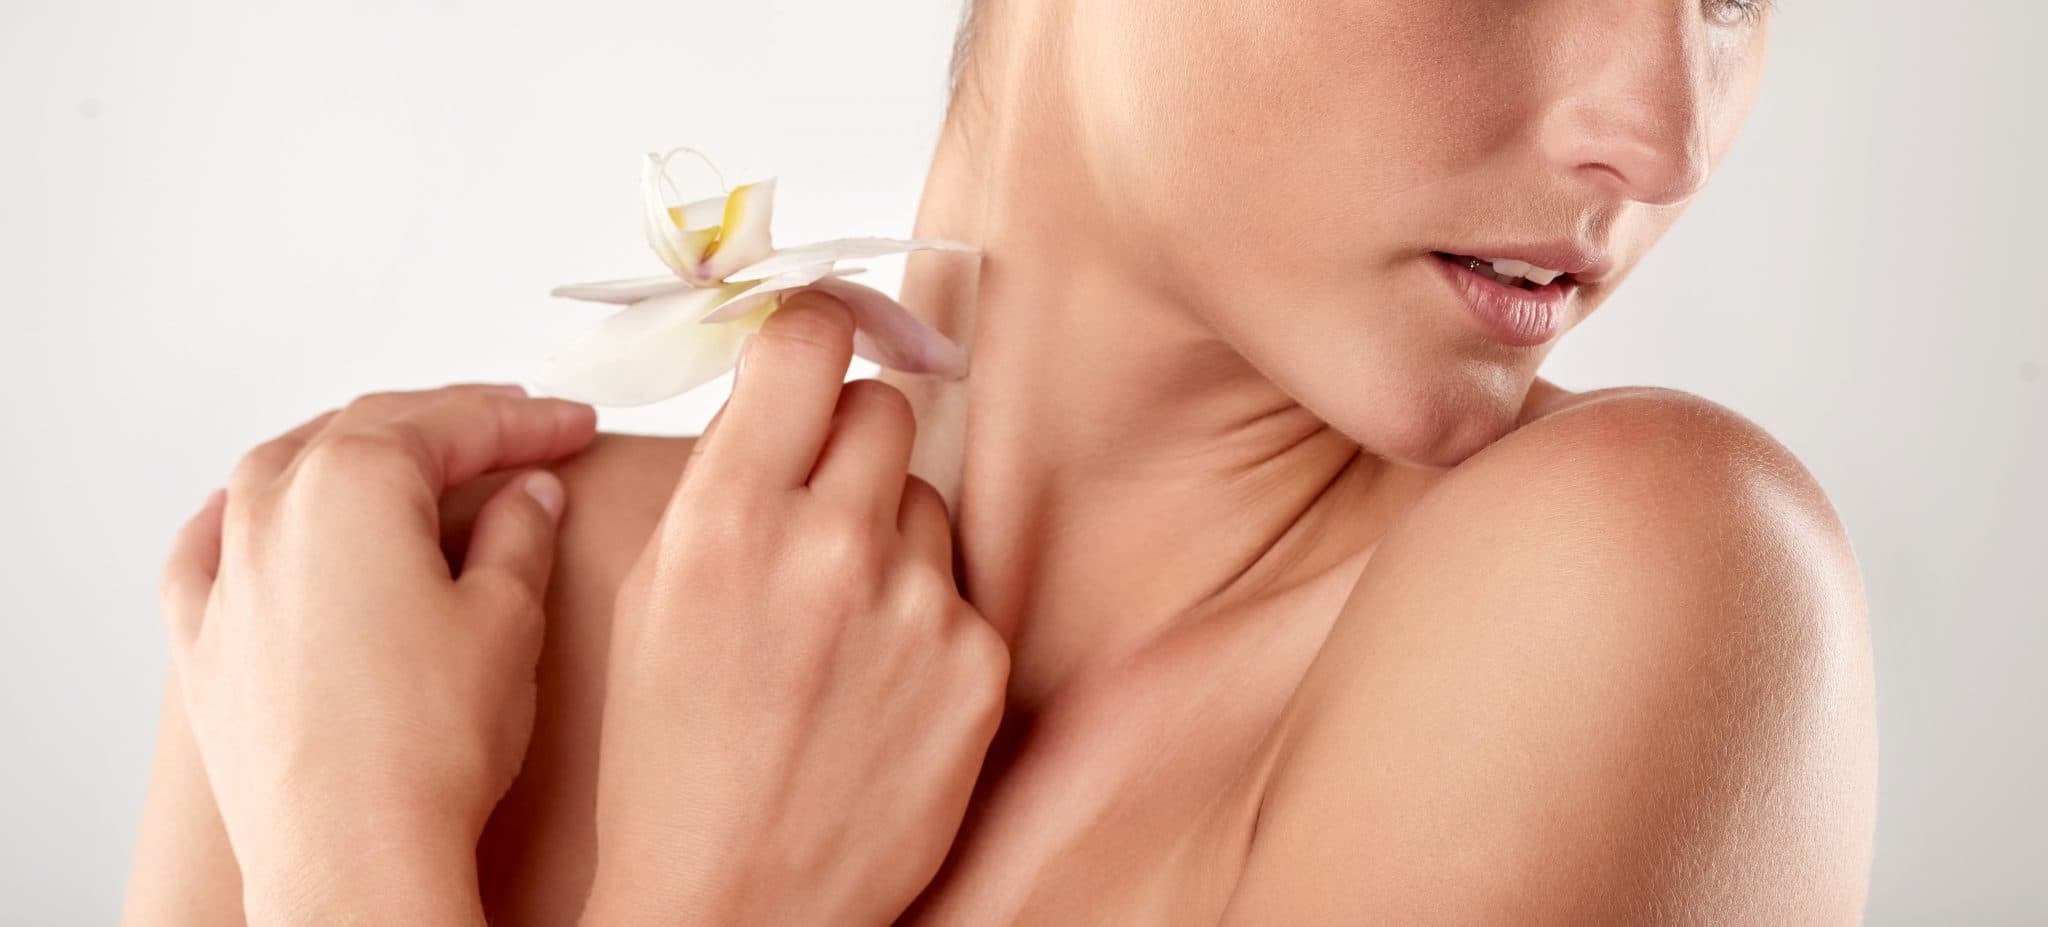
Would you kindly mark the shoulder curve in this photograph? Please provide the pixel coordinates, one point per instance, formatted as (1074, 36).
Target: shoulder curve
(1613, 667)
(1639, 450)
(1638, 420)
(1649, 492)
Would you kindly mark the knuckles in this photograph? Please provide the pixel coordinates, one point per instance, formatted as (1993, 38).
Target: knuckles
(371, 405)
(347, 455)
(924, 597)
(258, 466)
(384, 404)
(987, 659)
(329, 456)
(714, 524)
(843, 548)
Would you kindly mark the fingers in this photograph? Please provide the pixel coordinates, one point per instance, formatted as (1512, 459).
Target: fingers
(702, 442)
(270, 459)
(923, 523)
(265, 461)
(381, 406)
(867, 453)
(456, 438)
(512, 546)
(458, 510)
(189, 571)
(784, 395)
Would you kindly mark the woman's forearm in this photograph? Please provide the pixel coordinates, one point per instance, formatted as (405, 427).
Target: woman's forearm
(367, 877)
(184, 871)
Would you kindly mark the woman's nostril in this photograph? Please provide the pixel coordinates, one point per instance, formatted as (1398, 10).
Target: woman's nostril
(1647, 145)
(1660, 174)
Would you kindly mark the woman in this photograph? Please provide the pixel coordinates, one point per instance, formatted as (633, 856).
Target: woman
(1316, 604)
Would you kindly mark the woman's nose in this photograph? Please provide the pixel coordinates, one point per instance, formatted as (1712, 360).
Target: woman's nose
(1628, 118)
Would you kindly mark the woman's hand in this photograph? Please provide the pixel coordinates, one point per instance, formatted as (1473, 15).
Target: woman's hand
(358, 709)
(799, 700)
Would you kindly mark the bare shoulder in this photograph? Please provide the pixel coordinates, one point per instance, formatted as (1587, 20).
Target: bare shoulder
(617, 486)
(538, 854)
(617, 489)
(1614, 668)
(1617, 450)
(1649, 496)
(1609, 419)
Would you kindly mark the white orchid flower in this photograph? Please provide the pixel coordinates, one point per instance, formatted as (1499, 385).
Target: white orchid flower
(683, 329)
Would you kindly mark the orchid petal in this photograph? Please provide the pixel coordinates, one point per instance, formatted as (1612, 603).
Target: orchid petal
(680, 248)
(743, 230)
(886, 333)
(650, 351)
(702, 214)
(621, 292)
(762, 290)
(784, 260)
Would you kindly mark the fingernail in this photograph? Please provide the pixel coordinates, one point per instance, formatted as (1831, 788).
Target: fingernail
(546, 490)
(740, 366)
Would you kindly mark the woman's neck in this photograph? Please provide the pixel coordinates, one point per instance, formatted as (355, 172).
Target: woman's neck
(1114, 468)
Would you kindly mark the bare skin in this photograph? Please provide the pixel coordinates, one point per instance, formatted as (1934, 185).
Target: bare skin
(1321, 606)
(359, 707)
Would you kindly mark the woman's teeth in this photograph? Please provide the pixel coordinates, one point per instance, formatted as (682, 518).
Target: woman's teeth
(1541, 276)
(1510, 271)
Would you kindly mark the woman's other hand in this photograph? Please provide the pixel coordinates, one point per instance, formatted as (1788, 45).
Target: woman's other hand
(799, 699)
(359, 708)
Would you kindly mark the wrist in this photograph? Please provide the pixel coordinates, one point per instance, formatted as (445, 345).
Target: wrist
(667, 888)
(637, 891)
(618, 899)
(365, 874)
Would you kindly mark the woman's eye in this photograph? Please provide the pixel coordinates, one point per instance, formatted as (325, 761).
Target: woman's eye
(1737, 12)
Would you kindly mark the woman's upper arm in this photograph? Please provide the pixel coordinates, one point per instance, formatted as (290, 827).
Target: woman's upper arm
(538, 854)
(535, 867)
(1615, 669)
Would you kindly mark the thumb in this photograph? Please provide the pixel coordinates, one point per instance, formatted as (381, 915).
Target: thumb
(512, 543)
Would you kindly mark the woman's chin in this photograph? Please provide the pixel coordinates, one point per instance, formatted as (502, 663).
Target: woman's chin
(1433, 425)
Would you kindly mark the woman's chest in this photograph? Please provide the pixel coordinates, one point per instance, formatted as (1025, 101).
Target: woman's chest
(1131, 801)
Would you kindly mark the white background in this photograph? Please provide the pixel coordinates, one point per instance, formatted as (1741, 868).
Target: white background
(217, 219)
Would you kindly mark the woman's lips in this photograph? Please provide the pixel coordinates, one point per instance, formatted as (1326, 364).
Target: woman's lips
(1509, 314)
